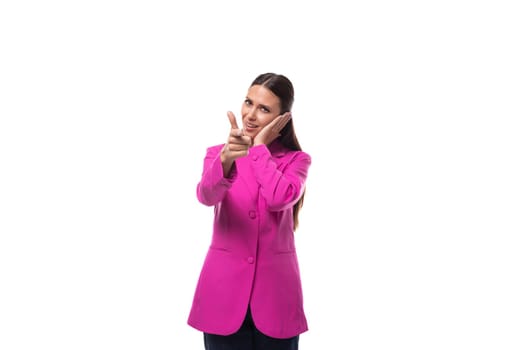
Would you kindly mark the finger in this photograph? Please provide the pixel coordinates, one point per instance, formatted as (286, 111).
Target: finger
(239, 140)
(247, 140)
(286, 118)
(235, 131)
(233, 147)
(281, 122)
(240, 154)
(233, 121)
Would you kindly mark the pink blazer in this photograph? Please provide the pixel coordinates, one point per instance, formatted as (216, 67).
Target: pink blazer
(252, 259)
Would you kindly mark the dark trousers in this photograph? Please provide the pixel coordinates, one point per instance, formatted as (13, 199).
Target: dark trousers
(248, 338)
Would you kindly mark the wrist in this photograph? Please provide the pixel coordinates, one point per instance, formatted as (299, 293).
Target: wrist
(225, 159)
(259, 141)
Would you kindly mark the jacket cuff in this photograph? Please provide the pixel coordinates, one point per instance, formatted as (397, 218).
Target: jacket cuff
(218, 173)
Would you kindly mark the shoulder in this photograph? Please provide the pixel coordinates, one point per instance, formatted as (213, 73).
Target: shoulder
(278, 150)
(293, 155)
(215, 148)
(299, 156)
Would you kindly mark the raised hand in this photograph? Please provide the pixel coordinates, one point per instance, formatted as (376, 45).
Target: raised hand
(272, 131)
(236, 146)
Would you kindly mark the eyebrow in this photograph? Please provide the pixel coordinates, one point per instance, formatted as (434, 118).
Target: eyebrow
(267, 107)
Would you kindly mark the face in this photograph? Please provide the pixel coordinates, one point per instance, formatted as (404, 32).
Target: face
(259, 109)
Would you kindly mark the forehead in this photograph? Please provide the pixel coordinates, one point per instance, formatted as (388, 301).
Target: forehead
(263, 95)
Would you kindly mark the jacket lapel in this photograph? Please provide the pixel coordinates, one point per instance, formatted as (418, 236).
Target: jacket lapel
(245, 173)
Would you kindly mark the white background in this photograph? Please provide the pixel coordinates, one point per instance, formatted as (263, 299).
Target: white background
(411, 236)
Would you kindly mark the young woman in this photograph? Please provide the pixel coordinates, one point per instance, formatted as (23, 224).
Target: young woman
(249, 293)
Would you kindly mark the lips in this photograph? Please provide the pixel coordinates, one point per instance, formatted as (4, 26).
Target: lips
(249, 127)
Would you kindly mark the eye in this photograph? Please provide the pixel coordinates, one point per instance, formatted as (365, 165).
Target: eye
(248, 102)
(265, 110)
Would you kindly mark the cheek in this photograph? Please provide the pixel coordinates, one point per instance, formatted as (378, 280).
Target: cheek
(265, 119)
(243, 109)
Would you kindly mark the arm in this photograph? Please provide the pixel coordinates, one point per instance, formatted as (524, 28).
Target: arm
(280, 189)
(213, 184)
(219, 165)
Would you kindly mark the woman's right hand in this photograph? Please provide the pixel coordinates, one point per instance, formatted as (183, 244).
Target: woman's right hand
(237, 144)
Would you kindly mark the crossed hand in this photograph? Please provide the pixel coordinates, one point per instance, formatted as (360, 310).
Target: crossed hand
(238, 144)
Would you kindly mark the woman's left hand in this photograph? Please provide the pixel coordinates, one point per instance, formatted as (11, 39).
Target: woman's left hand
(272, 131)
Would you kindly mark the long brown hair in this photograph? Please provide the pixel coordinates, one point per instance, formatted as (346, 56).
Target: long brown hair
(282, 87)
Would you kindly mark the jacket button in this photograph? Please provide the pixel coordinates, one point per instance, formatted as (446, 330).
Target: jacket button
(250, 260)
(252, 214)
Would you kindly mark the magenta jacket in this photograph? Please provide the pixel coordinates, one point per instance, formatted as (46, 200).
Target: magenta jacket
(252, 259)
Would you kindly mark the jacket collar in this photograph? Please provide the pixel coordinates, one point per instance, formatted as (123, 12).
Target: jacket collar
(277, 149)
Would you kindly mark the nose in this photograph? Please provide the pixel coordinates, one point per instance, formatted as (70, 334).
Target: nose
(250, 114)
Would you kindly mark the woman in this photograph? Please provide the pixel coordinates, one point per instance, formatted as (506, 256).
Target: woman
(249, 294)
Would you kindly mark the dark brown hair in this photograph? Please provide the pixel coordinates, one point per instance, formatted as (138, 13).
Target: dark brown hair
(282, 87)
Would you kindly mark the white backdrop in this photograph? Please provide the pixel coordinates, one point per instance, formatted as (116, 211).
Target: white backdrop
(412, 231)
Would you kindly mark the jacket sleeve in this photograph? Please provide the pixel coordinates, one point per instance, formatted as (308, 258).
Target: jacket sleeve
(213, 185)
(281, 188)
